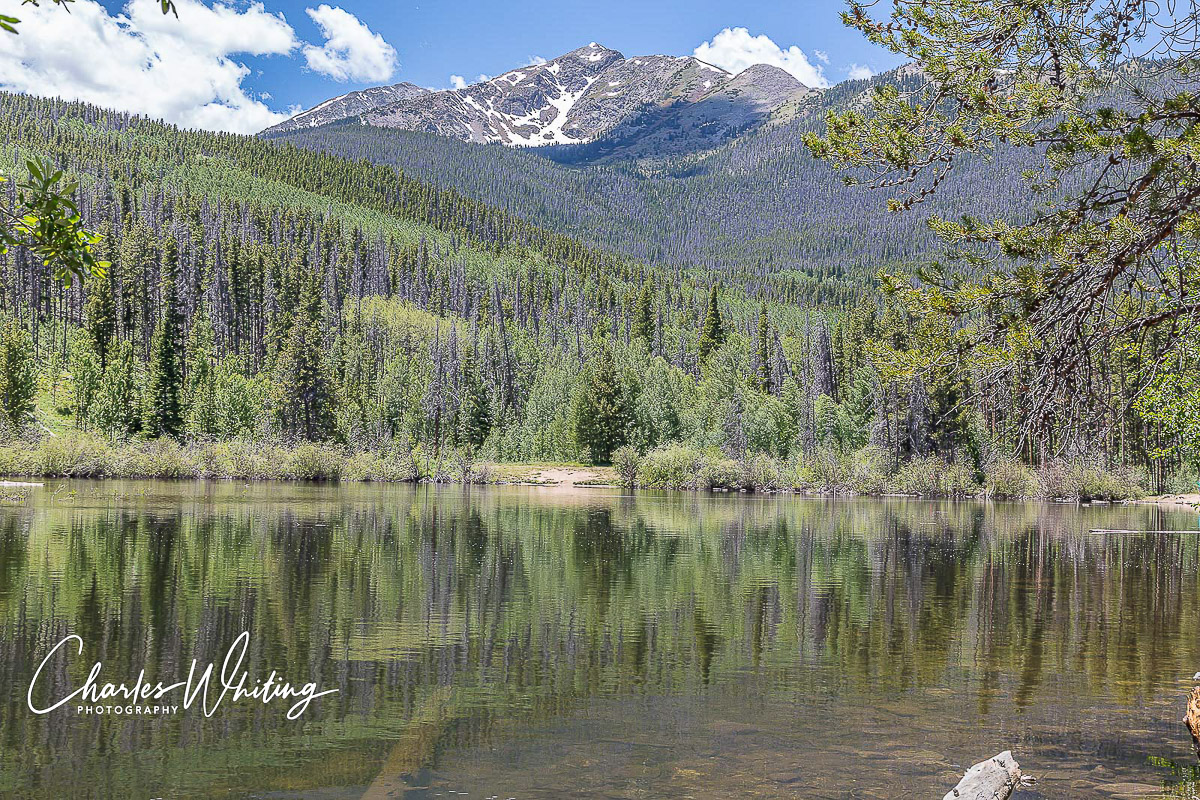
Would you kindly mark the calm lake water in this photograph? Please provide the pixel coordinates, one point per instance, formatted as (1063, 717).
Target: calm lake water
(538, 643)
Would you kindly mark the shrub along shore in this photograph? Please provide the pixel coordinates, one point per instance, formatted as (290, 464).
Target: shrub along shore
(865, 472)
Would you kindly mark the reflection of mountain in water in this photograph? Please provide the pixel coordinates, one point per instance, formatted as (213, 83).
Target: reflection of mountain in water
(455, 622)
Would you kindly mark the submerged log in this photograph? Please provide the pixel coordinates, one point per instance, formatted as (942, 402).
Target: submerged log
(994, 779)
(1192, 718)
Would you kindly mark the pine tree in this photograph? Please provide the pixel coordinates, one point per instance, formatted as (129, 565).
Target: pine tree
(101, 321)
(643, 317)
(305, 404)
(825, 377)
(599, 412)
(118, 407)
(474, 411)
(135, 255)
(163, 409)
(919, 418)
(712, 332)
(99, 309)
(734, 427)
(762, 354)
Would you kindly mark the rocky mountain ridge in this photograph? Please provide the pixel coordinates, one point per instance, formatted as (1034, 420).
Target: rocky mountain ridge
(648, 103)
(348, 105)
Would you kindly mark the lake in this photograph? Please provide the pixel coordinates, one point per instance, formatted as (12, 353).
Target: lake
(537, 643)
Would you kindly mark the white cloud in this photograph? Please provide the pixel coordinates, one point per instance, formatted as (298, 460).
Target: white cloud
(459, 82)
(734, 49)
(140, 61)
(351, 51)
(860, 73)
(822, 56)
(535, 61)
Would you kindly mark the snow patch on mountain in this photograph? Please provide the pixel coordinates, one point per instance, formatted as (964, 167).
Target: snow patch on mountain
(581, 97)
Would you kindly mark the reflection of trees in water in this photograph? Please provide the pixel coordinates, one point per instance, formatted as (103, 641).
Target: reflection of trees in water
(451, 611)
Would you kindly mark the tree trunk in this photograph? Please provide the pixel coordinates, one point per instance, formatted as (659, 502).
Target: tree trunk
(994, 779)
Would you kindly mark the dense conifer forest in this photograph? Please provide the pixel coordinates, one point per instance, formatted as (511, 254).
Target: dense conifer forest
(759, 205)
(271, 310)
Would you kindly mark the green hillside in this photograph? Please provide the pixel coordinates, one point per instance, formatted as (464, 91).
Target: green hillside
(263, 293)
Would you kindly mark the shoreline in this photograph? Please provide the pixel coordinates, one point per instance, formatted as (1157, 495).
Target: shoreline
(1189, 501)
(568, 477)
(863, 473)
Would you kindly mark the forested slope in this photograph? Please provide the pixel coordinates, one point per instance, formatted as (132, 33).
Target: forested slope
(274, 295)
(297, 276)
(761, 203)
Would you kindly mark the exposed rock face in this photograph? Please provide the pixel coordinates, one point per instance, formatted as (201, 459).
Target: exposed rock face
(657, 104)
(530, 106)
(629, 86)
(729, 108)
(349, 105)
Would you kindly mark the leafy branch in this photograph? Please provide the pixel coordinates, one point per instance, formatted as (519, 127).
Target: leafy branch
(1105, 92)
(45, 218)
(46, 221)
(9, 23)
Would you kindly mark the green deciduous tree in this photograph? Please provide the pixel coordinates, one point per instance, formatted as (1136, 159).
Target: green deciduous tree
(86, 376)
(18, 379)
(239, 399)
(46, 221)
(1172, 400)
(665, 396)
(203, 418)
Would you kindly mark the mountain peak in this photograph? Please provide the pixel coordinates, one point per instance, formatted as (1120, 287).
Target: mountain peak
(582, 96)
(592, 57)
(591, 52)
(763, 74)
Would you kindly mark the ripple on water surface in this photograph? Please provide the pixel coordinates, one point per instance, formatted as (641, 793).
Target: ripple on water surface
(524, 642)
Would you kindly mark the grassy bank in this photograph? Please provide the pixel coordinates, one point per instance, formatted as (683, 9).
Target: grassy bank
(83, 456)
(870, 472)
(865, 472)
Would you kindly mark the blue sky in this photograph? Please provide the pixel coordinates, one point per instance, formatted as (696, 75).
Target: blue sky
(437, 39)
(237, 65)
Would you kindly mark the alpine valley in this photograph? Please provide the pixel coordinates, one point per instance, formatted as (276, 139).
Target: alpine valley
(592, 257)
(619, 426)
(606, 148)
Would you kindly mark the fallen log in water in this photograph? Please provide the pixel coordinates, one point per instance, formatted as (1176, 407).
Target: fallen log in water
(994, 779)
(1192, 718)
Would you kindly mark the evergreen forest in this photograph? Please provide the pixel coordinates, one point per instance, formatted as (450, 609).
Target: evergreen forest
(272, 310)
